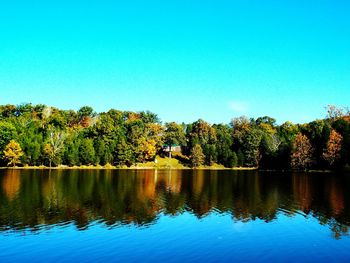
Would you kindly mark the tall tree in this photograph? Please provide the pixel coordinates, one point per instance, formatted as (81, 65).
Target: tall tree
(174, 134)
(87, 152)
(13, 153)
(124, 154)
(85, 114)
(49, 153)
(334, 112)
(204, 134)
(146, 150)
(224, 144)
(102, 152)
(30, 138)
(334, 146)
(251, 147)
(54, 146)
(197, 156)
(71, 151)
(7, 133)
(269, 148)
(302, 156)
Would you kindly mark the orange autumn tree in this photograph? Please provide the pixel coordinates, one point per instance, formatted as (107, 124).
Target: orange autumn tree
(302, 156)
(332, 152)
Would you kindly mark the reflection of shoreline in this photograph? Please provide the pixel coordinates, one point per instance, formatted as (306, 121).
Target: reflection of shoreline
(31, 198)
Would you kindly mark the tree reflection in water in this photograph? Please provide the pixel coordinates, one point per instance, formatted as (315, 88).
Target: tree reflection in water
(37, 199)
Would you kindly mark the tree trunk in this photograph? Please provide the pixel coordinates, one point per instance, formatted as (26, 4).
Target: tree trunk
(170, 151)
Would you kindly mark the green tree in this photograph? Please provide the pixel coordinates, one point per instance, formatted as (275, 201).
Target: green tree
(103, 154)
(232, 160)
(85, 111)
(87, 151)
(174, 134)
(30, 138)
(202, 133)
(85, 115)
(149, 117)
(269, 150)
(224, 145)
(7, 111)
(32, 149)
(7, 133)
(266, 120)
(251, 147)
(124, 154)
(71, 151)
(240, 158)
(318, 133)
(210, 154)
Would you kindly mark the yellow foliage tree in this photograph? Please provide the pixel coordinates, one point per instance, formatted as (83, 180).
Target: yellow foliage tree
(54, 145)
(49, 153)
(146, 149)
(197, 156)
(13, 153)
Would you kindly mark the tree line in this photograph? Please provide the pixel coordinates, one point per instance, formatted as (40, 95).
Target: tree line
(42, 135)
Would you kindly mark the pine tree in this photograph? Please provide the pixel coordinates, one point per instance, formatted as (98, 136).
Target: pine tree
(87, 152)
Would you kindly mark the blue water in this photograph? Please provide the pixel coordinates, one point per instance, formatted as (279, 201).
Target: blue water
(218, 235)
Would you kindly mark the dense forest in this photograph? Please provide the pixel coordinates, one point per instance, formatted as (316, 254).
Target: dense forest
(33, 135)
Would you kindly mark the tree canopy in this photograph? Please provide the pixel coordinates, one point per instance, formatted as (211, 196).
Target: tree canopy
(44, 135)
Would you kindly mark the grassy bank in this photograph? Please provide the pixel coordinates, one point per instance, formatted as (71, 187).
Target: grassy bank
(159, 163)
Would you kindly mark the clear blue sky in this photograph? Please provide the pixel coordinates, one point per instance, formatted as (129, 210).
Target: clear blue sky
(181, 59)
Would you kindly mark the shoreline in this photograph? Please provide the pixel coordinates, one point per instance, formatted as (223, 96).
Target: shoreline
(86, 167)
(124, 168)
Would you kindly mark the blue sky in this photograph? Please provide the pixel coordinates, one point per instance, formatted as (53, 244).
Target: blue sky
(183, 60)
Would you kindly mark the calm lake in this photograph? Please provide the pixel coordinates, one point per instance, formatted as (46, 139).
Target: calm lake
(171, 216)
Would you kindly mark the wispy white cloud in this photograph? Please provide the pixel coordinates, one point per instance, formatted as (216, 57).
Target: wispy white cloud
(239, 106)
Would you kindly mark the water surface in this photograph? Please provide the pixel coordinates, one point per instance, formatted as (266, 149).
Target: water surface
(167, 215)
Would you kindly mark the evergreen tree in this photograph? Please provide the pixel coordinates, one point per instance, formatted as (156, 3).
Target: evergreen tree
(87, 152)
(124, 154)
(71, 153)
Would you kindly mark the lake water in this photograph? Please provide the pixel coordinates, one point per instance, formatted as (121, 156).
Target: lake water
(172, 216)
